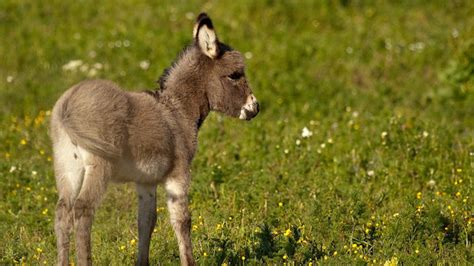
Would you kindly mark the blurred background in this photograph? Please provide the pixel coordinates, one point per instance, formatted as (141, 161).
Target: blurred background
(363, 152)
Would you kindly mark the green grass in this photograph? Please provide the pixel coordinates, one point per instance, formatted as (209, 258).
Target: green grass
(386, 88)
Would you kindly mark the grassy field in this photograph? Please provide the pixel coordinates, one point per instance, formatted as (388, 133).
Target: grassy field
(386, 90)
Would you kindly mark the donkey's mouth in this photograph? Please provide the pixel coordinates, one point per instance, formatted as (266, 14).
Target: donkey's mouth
(249, 111)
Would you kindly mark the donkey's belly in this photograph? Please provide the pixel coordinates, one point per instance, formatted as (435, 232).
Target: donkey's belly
(149, 171)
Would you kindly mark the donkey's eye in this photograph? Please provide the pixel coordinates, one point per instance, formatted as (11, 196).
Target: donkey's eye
(236, 75)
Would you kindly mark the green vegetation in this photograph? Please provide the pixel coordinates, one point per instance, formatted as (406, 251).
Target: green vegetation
(385, 87)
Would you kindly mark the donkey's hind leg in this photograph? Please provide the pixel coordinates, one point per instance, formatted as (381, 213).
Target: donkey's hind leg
(96, 176)
(63, 223)
(69, 171)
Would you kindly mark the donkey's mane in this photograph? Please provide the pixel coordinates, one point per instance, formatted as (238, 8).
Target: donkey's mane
(167, 72)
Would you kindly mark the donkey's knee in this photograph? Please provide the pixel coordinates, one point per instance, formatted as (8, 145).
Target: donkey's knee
(178, 209)
(83, 208)
(62, 206)
(177, 201)
(63, 213)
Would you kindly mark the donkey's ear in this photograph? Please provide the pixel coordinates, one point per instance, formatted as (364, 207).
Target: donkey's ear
(205, 36)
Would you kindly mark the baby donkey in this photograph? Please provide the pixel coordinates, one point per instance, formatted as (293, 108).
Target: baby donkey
(103, 134)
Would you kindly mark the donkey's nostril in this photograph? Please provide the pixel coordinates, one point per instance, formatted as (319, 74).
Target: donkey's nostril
(257, 107)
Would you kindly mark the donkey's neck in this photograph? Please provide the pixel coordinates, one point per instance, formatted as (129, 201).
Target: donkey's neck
(189, 104)
(183, 89)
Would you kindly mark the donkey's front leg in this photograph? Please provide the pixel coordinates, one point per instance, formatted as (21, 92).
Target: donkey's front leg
(146, 220)
(177, 192)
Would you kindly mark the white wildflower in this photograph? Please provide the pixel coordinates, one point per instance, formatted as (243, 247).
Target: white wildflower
(9, 79)
(98, 66)
(420, 45)
(306, 133)
(248, 55)
(84, 68)
(145, 64)
(12, 169)
(33, 173)
(425, 134)
(431, 183)
(298, 142)
(92, 54)
(190, 15)
(384, 134)
(72, 65)
(92, 72)
(455, 33)
(417, 46)
(370, 173)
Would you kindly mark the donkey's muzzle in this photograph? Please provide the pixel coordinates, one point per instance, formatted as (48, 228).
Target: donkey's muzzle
(250, 109)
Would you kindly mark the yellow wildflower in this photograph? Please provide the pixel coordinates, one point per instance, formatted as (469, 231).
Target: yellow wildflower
(392, 262)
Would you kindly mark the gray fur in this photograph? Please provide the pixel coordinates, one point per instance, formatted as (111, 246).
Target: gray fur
(101, 133)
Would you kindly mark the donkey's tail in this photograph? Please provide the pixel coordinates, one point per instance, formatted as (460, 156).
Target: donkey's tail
(84, 124)
(86, 140)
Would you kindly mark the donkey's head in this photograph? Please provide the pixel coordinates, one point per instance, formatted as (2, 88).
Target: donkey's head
(226, 86)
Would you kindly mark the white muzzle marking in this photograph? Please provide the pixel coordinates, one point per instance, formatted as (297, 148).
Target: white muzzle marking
(250, 106)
